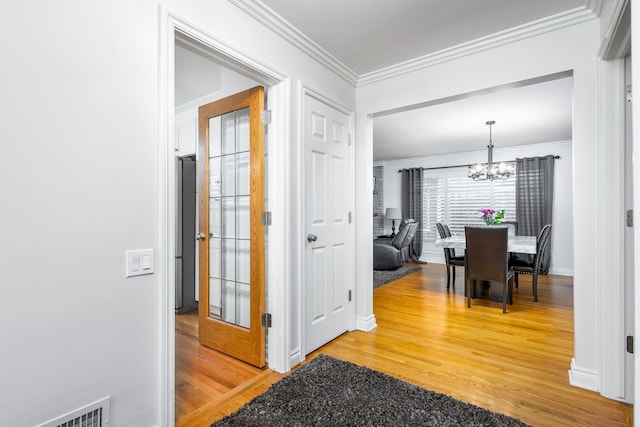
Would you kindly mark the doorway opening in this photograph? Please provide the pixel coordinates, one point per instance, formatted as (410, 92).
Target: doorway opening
(201, 373)
(196, 70)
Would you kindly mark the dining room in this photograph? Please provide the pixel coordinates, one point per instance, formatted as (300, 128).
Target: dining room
(451, 137)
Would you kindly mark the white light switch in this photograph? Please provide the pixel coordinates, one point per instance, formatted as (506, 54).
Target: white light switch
(139, 262)
(135, 263)
(146, 262)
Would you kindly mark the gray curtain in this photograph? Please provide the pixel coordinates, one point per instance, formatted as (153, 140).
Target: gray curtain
(412, 207)
(534, 199)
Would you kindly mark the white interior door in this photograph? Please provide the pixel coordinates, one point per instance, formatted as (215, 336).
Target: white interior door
(327, 265)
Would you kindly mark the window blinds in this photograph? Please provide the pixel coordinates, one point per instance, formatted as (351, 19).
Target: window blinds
(450, 197)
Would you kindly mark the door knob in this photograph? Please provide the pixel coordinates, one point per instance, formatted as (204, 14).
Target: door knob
(200, 236)
(311, 238)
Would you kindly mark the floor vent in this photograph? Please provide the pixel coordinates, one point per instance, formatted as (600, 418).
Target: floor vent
(95, 414)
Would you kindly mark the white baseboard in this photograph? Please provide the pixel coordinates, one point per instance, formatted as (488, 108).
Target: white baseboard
(366, 323)
(295, 358)
(560, 271)
(433, 259)
(583, 378)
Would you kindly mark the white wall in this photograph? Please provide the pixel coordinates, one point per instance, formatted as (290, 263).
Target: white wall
(80, 186)
(573, 48)
(562, 231)
(229, 83)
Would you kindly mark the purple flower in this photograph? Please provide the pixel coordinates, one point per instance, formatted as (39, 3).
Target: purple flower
(491, 216)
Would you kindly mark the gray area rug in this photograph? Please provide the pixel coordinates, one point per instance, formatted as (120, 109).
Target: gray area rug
(331, 392)
(382, 277)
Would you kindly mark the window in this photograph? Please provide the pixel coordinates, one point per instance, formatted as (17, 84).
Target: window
(450, 197)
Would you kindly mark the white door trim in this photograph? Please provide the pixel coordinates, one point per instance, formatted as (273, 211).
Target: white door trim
(278, 162)
(611, 229)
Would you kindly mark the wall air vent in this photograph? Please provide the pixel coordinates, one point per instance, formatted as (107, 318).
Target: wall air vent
(95, 414)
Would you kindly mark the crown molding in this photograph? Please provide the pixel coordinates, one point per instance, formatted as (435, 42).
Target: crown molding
(506, 154)
(531, 29)
(277, 24)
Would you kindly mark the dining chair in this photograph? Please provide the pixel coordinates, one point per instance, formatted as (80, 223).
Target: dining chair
(450, 257)
(512, 226)
(487, 259)
(522, 265)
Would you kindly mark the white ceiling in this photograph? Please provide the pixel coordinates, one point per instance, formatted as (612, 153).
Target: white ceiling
(367, 36)
(529, 114)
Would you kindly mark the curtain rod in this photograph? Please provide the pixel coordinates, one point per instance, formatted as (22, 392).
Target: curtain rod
(460, 166)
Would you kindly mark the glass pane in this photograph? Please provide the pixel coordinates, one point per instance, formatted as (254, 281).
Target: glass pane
(228, 301)
(242, 305)
(242, 130)
(228, 259)
(228, 133)
(243, 261)
(214, 177)
(242, 174)
(215, 298)
(215, 145)
(215, 215)
(214, 258)
(242, 218)
(228, 217)
(228, 176)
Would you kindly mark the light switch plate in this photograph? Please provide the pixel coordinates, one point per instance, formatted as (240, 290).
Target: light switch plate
(139, 262)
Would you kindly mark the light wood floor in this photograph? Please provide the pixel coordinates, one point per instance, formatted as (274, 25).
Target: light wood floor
(516, 363)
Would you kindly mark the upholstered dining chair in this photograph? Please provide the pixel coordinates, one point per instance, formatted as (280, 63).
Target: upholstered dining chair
(521, 265)
(487, 259)
(450, 257)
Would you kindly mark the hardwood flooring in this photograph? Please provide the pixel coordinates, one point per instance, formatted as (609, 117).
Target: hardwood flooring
(515, 363)
(204, 377)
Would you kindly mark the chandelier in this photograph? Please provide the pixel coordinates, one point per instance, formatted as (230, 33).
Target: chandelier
(490, 171)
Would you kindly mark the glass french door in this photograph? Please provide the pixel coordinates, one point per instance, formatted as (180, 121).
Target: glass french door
(231, 200)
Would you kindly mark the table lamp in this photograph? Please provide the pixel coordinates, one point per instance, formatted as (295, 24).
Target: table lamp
(393, 214)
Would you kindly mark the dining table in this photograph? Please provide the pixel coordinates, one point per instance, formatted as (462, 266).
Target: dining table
(515, 244)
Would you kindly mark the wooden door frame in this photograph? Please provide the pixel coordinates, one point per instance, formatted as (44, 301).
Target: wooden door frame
(278, 87)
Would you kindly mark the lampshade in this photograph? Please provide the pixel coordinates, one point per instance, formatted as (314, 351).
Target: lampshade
(393, 213)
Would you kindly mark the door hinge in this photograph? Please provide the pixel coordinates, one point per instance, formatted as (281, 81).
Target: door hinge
(265, 117)
(630, 218)
(630, 344)
(349, 139)
(266, 218)
(629, 93)
(349, 217)
(349, 295)
(266, 320)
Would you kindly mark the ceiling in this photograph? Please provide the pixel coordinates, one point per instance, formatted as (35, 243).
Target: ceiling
(368, 35)
(532, 113)
(367, 39)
